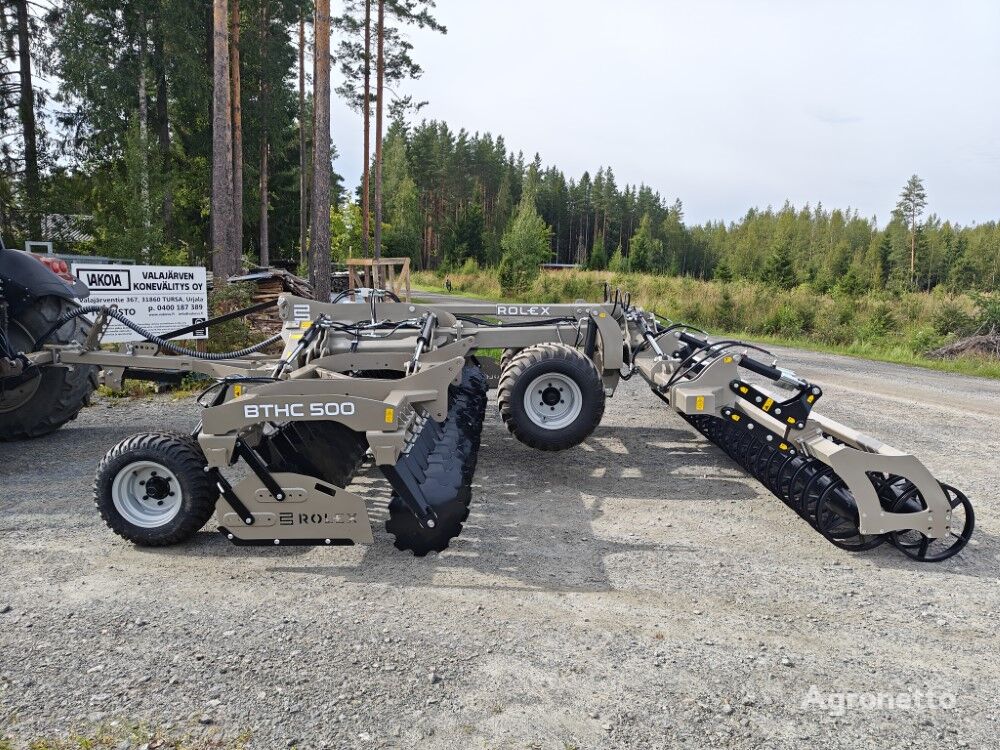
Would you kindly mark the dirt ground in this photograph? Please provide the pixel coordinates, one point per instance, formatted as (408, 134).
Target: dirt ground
(637, 591)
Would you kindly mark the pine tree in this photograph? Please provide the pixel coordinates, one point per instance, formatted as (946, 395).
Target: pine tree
(525, 247)
(598, 260)
(225, 254)
(778, 269)
(912, 202)
(319, 233)
(618, 262)
(644, 248)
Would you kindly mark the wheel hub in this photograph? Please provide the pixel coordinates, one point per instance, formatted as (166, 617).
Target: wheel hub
(19, 395)
(147, 494)
(551, 396)
(553, 401)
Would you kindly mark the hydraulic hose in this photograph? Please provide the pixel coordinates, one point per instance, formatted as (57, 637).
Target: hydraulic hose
(161, 342)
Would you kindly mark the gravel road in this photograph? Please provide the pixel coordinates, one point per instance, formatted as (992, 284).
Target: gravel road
(637, 591)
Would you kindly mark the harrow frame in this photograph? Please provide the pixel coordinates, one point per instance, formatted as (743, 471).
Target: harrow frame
(387, 372)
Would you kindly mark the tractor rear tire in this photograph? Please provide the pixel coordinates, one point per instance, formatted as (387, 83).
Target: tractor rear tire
(57, 395)
(152, 489)
(551, 397)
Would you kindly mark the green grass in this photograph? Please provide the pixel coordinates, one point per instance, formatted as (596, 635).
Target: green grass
(900, 355)
(877, 326)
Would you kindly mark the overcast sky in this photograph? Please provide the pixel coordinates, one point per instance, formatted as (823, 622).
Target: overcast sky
(728, 105)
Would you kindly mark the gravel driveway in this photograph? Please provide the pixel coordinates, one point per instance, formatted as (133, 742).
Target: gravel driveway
(637, 591)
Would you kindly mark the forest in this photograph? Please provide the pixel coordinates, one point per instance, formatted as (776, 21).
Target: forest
(198, 131)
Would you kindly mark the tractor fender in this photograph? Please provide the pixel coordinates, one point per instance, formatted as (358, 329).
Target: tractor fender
(23, 279)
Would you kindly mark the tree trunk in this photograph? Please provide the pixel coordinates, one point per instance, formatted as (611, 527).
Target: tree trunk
(163, 131)
(265, 248)
(237, 106)
(224, 254)
(379, 105)
(143, 145)
(303, 156)
(28, 127)
(913, 247)
(319, 245)
(366, 118)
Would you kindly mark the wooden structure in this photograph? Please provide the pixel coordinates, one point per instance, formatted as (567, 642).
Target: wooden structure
(386, 273)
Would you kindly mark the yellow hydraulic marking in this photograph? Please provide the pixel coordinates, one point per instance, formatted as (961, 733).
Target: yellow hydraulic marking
(237, 391)
(305, 324)
(390, 415)
(736, 417)
(791, 420)
(699, 403)
(810, 398)
(744, 389)
(727, 360)
(768, 404)
(784, 446)
(602, 315)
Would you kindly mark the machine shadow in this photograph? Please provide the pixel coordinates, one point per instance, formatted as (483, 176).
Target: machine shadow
(531, 525)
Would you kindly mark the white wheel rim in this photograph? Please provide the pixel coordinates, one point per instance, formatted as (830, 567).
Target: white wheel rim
(553, 401)
(147, 494)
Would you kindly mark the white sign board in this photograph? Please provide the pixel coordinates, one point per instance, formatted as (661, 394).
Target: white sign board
(158, 298)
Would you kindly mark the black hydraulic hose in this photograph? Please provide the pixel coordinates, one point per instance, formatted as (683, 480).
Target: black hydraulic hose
(161, 342)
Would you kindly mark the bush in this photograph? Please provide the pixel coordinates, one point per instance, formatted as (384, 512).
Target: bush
(879, 324)
(923, 340)
(233, 334)
(725, 315)
(950, 319)
(787, 320)
(987, 311)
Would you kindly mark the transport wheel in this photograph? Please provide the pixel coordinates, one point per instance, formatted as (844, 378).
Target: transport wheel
(47, 402)
(551, 397)
(507, 356)
(152, 489)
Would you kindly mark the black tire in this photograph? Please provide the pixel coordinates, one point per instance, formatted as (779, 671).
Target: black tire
(507, 357)
(535, 362)
(46, 403)
(182, 456)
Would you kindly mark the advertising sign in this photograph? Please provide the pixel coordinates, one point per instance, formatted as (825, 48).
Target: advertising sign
(158, 298)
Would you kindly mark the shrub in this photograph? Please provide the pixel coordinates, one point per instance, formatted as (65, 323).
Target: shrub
(879, 324)
(787, 320)
(950, 319)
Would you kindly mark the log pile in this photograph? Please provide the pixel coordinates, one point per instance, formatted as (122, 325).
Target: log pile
(268, 284)
(982, 344)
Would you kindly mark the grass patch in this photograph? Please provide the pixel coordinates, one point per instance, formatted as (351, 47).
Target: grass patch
(898, 328)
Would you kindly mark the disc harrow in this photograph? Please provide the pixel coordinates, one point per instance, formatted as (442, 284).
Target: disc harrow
(406, 384)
